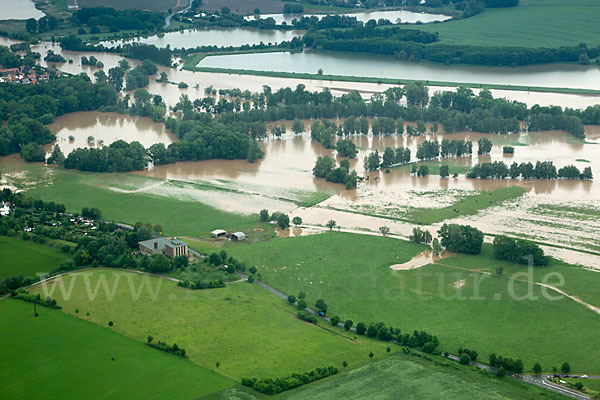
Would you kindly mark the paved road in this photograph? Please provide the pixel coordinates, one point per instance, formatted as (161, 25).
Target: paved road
(168, 18)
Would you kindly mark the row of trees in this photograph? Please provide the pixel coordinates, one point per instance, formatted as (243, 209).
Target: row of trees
(541, 170)
(391, 157)
(274, 386)
(417, 45)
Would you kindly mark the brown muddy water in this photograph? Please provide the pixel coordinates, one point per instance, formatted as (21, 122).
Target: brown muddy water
(198, 81)
(105, 128)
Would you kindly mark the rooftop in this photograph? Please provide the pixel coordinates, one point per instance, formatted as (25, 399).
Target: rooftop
(162, 242)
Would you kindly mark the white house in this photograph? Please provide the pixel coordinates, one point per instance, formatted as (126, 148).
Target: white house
(238, 236)
(5, 209)
(218, 233)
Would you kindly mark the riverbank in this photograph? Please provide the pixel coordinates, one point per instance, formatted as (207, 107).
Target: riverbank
(391, 81)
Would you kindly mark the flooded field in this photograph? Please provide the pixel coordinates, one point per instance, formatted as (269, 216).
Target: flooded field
(212, 37)
(392, 15)
(566, 76)
(22, 9)
(94, 129)
(171, 93)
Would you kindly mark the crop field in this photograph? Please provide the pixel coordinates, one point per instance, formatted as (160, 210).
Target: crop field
(533, 23)
(57, 356)
(492, 314)
(244, 328)
(26, 258)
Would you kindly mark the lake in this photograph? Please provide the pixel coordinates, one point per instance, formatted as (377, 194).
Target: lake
(392, 15)
(213, 37)
(22, 9)
(361, 65)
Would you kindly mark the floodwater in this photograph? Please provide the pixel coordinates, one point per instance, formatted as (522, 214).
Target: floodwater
(289, 161)
(105, 128)
(213, 37)
(392, 15)
(171, 93)
(22, 9)
(420, 260)
(335, 63)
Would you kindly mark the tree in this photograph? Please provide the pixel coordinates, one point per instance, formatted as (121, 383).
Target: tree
(110, 323)
(57, 156)
(384, 230)
(291, 299)
(157, 228)
(444, 171)
(348, 324)
(501, 372)
(301, 295)
(537, 368)
(464, 359)
(565, 368)
(297, 221)
(335, 320)
(484, 146)
(423, 170)
(323, 166)
(321, 306)
(252, 270)
(283, 221)
(345, 364)
(31, 25)
(331, 224)
(436, 247)
(160, 263)
(264, 215)
(297, 126)
(361, 328)
(461, 238)
(301, 305)
(371, 355)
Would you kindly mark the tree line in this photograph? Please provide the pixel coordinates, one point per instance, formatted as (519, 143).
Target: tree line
(541, 170)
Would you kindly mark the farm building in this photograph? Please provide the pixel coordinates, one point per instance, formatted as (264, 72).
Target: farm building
(169, 247)
(218, 233)
(238, 236)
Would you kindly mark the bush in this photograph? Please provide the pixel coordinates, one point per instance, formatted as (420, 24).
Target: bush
(274, 386)
(518, 251)
(308, 317)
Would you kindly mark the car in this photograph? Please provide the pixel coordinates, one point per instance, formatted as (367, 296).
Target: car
(556, 376)
(584, 376)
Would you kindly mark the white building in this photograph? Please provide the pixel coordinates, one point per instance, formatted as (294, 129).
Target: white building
(5, 209)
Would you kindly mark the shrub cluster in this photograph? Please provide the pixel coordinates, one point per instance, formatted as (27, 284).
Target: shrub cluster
(278, 385)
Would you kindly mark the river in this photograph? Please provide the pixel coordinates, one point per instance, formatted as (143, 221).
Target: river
(364, 16)
(21, 9)
(361, 65)
(219, 37)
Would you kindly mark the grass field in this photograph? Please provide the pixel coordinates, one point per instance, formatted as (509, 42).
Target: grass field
(56, 356)
(20, 257)
(464, 308)
(406, 377)
(249, 331)
(578, 281)
(176, 216)
(533, 23)
(468, 206)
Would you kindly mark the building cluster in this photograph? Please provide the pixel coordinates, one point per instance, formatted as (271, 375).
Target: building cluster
(24, 75)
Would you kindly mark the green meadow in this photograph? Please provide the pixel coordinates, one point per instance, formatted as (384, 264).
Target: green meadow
(533, 23)
(176, 216)
(244, 328)
(463, 307)
(57, 356)
(469, 205)
(26, 258)
(406, 377)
